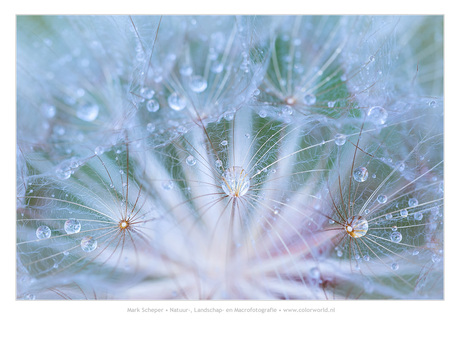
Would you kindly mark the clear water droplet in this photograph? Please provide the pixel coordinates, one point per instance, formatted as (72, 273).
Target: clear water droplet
(382, 199)
(64, 171)
(72, 226)
(191, 161)
(198, 84)
(315, 273)
(150, 127)
(371, 58)
(186, 70)
(403, 213)
(395, 266)
(330, 104)
(340, 139)
(394, 228)
(357, 226)
(224, 143)
(378, 115)
(235, 181)
(217, 67)
(366, 257)
(413, 202)
(88, 244)
(99, 150)
(309, 99)
(360, 174)
(43, 232)
(176, 102)
(432, 103)
(146, 92)
(168, 185)
(88, 112)
(263, 113)
(396, 237)
(418, 216)
(218, 163)
(152, 105)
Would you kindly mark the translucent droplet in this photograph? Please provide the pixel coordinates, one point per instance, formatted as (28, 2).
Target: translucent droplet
(403, 213)
(378, 115)
(366, 257)
(152, 105)
(286, 110)
(146, 92)
(176, 102)
(186, 70)
(88, 244)
(218, 163)
(263, 113)
(49, 111)
(198, 84)
(168, 185)
(150, 127)
(395, 266)
(235, 181)
(432, 103)
(418, 216)
(340, 139)
(357, 226)
(29, 297)
(360, 174)
(371, 58)
(224, 143)
(396, 236)
(228, 116)
(315, 273)
(382, 199)
(63, 172)
(88, 112)
(413, 202)
(309, 99)
(43, 232)
(99, 150)
(72, 226)
(217, 67)
(339, 253)
(394, 228)
(191, 161)
(330, 104)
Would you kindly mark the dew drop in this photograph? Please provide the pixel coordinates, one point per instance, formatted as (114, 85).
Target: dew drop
(315, 273)
(339, 253)
(88, 112)
(29, 297)
(191, 161)
(432, 103)
(262, 114)
(395, 266)
(150, 127)
(330, 104)
(224, 143)
(43, 232)
(88, 244)
(217, 67)
(413, 202)
(366, 257)
(371, 58)
(186, 70)
(72, 226)
(403, 213)
(152, 105)
(168, 185)
(378, 115)
(63, 172)
(235, 181)
(99, 150)
(382, 199)
(309, 99)
(360, 174)
(394, 228)
(198, 84)
(146, 92)
(418, 216)
(218, 163)
(396, 237)
(340, 139)
(176, 102)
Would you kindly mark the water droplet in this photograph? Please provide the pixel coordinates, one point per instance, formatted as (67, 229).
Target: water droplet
(224, 143)
(315, 273)
(198, 84)
(49, 111)
(235, 181)
(403, 213)
(146, 92)
(435, 258)
(186, 70)
(286, 110)
(176, 102)
(191, 161)
(309, 99)
(371, 58)
(395, 266)
(340, 139)
(394, 228)
(339, 253)
(263, 113)
(396, 237)
(357, 226)
(88, 112)
(418, 216)
(378, 115)
(42, 232)
(218, 163)
(415, 253)
(64, 171)
(382, 199)
(29, 297)
(217, 67)
(72, 226)
(228, 116)
(360, 174)
(99, 150)
(330, 104)
(413, 202)
(366, 257)
(88, 244)
(432, 103)
(150, 127)
(152, 105)
(168, 185)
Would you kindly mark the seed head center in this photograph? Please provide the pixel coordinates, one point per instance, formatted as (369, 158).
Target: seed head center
(123, 224)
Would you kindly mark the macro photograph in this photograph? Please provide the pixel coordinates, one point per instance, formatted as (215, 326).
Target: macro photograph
(229, 157)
